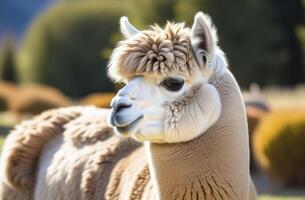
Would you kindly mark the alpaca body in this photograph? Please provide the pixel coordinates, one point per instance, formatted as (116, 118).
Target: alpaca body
(88, 162)
(92, 171)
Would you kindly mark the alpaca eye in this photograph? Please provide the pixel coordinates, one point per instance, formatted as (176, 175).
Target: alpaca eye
(172, 84)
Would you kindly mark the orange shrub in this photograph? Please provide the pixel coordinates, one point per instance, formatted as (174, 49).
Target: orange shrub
(33, 99)
(7, 93)
(279, 144)
(3, 104)
(102, 100)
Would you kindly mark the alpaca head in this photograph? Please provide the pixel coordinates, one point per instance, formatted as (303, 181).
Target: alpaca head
(167, 97)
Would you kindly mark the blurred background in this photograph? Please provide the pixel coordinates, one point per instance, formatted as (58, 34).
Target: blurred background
(54, 53)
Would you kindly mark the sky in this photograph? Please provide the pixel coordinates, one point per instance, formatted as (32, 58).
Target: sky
(16, 15)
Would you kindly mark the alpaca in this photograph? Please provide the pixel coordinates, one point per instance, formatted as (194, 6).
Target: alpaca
(180, 100)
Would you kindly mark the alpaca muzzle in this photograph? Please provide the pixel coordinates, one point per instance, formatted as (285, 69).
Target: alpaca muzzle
(124, 116)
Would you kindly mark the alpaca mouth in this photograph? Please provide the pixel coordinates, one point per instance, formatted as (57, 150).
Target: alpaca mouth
(130, 128)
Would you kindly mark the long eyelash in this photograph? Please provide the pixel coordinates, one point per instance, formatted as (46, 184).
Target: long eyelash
(160, 84)
(173, 77)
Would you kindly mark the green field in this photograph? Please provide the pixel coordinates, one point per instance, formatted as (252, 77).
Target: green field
(1, 143)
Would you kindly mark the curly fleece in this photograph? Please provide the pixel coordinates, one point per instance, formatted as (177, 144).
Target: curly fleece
(156, 51)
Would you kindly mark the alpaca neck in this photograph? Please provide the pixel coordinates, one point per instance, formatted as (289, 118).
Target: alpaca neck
(189, 170)
(211, 166)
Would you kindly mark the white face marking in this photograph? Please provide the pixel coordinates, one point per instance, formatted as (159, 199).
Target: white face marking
(140, 109)
(147, 98)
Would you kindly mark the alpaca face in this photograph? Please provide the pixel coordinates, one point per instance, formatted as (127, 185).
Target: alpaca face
(175, 101)
(148, 107)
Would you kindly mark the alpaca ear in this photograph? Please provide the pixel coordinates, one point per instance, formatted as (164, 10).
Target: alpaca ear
(203, 39)
(127, 29)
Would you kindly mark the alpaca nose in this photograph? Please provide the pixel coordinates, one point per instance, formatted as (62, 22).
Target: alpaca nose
(120, 103)
(123, 112)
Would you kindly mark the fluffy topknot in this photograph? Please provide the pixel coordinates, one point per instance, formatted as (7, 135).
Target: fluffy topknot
(157, 51)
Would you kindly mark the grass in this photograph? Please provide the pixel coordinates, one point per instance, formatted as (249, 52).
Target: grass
(8, 119)
(284, 97)
(1, 143)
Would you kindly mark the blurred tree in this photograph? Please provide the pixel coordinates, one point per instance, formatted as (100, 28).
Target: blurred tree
(7, 60)
(147, 12)
(290, 16)
(63, 46)
(300, 30)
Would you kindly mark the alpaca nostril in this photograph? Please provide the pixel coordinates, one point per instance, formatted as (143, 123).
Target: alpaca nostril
(121, 106)
(120, 103)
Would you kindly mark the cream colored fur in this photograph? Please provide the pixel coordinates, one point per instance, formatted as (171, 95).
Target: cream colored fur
(196, 139)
